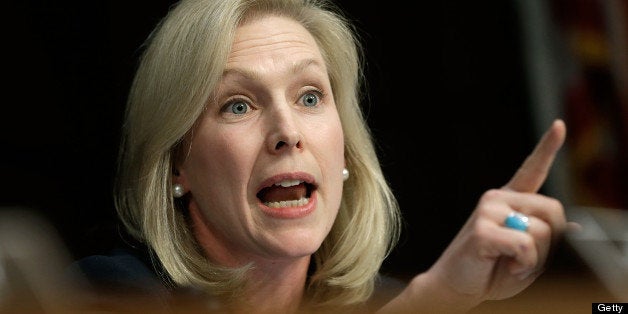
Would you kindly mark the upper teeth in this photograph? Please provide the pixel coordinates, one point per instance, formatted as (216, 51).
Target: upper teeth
(288, 183)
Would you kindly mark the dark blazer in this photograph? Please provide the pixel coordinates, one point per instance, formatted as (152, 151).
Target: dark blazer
(128, 279)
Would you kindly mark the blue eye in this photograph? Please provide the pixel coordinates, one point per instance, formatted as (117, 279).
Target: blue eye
(310, 99)
(238, 107)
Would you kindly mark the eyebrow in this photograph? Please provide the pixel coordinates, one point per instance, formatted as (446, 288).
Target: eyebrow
(252, 75)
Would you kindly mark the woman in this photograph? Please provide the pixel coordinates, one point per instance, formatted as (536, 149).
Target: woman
(248, 171)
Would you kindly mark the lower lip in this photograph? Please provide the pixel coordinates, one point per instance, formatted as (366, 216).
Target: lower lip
(291, 212)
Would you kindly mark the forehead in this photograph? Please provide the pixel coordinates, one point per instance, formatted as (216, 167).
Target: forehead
(275, 37)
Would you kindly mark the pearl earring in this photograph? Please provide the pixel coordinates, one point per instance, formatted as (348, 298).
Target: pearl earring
(345, 174)
(177, 190)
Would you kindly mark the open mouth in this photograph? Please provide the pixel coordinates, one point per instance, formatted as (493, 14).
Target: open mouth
(287, 193)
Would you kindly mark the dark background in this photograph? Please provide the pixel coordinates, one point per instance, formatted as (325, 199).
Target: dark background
(448, 108)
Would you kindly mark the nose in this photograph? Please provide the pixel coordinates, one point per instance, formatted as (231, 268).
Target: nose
(284, 134)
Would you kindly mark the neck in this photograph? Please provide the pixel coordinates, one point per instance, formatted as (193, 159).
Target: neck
(275, 286)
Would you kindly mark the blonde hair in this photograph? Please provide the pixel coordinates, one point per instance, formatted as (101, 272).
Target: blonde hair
(180, 67)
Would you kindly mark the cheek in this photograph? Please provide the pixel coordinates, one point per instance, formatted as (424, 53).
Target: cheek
(220, 163)
(329, 149)
(339, 142)
(331, 141)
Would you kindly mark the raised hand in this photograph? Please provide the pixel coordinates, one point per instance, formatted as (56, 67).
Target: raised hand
(487, 260)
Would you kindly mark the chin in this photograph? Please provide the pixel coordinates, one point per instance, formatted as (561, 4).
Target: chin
(297, 243)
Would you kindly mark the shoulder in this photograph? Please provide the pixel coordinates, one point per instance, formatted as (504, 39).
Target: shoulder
(121, 271)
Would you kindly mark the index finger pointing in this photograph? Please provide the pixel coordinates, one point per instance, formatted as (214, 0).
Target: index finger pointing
(533, 172)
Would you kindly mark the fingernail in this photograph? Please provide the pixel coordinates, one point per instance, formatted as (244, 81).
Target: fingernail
(573, 227)
(522, 271)
(518, 270)
(525, 274)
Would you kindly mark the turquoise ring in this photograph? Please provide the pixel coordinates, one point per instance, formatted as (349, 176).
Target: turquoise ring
(517, 221)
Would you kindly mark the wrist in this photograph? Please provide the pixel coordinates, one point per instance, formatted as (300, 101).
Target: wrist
(436, 294)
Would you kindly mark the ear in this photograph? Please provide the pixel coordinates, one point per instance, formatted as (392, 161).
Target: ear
(179, 184)
(179, 169)
(179, 176)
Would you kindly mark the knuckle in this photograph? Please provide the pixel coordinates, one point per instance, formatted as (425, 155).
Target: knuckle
(543, 231)
(486, 209)
(480, 230)
(558, 206)
(556, 209)
(491, 195)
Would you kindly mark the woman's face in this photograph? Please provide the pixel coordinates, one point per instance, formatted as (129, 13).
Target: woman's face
(264, 168)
